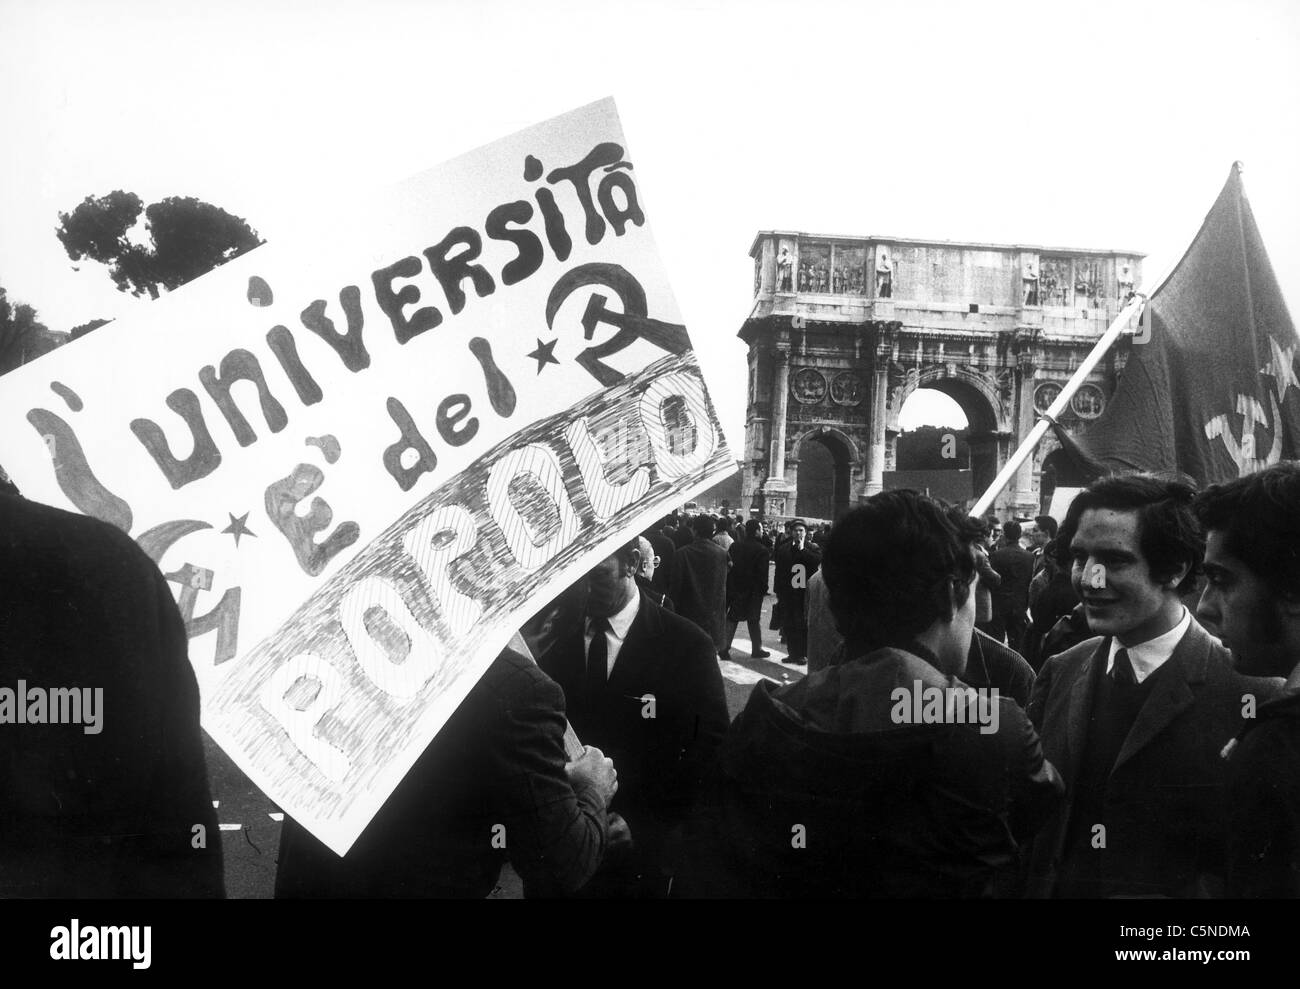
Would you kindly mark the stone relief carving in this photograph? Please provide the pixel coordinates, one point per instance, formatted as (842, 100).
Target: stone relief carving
(1045, 394)
(900, 382)
(1088, 402)
(1006, 379)
(846, 389)
(808, 386)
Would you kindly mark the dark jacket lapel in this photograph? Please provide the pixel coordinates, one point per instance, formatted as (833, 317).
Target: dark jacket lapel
(638, 648)
(1079, 707)
(1171, 695)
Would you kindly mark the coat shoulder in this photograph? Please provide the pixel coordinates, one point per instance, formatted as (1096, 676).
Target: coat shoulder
(32, 530)
(513, 679)
(1071, 658)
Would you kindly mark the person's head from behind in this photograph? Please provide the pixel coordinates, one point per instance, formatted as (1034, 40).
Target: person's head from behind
(1252, 567)
(648, 559)
(611, 584)
(1134, 547)
(703, 527)
(1011, 533)
(980, 527)
(897, 572)
(753, 529)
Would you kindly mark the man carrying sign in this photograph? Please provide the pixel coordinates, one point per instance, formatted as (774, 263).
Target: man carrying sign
(413, 435)
(644, 685)
(493, 785)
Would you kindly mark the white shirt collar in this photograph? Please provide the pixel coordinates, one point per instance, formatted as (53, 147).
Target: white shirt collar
(1149, 656)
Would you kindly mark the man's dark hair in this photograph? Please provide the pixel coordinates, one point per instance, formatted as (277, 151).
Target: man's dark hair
(752, 527)
(1168, 534)
(1058, 551)
(724, 524)
(890, 568)
(978, 525)
(1259, 516)
(703, 526)
(1047, 524)
(1011, 532)
(968, 527)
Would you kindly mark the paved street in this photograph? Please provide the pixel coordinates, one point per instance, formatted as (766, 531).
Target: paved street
(250, 822)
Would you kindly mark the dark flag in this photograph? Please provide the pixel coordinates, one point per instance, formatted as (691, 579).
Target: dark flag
(1210, 387)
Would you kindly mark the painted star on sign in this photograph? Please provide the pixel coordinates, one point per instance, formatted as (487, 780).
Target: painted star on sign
(1282, 368)
(544, 354)
(239, 527)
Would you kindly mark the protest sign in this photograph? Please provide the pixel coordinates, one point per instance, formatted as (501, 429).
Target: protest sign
(366, 456)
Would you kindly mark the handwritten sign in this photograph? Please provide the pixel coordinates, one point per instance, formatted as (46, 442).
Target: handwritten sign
(364, 457)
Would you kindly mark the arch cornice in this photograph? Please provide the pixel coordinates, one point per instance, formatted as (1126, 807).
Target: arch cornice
(982, 383)
(851, 448)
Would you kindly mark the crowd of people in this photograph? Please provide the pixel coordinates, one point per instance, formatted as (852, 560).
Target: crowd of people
(1070, 718)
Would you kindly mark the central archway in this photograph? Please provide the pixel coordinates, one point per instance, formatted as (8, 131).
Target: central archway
(985, 416)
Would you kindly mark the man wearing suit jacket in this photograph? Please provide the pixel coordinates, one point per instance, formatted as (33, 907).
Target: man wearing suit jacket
(747, 587)
(1011, 597)
(1135, 720)
(643, 685)
(493, 784)
(698, 584)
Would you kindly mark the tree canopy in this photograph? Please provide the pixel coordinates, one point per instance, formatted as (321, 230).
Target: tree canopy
(188, 238)
(77, 332)
(23, 337)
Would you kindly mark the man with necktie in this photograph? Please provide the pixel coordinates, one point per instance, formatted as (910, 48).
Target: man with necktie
(1135, 718)
(643, 685)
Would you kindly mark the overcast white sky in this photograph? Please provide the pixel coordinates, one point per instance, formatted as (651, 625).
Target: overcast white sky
(1091, 124)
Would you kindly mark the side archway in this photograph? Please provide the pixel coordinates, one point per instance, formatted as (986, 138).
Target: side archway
(823, 460)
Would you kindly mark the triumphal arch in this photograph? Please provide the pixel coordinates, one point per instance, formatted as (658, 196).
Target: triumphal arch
(844, 329)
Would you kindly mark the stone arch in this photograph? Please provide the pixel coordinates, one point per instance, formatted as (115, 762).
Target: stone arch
(824, 433)
(820, 496)
(988, 415)
(976, 393)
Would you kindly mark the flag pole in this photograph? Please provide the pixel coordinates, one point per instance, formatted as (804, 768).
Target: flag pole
(1131, 310)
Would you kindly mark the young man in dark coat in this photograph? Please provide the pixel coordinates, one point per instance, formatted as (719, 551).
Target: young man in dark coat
(1051, 597)
(747, 587)
(796, 562)
(644, 686)
(118, 804)
(831, 786)
(698, 583)
(1252, 602)
(1136, 718)
(1011, 597)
